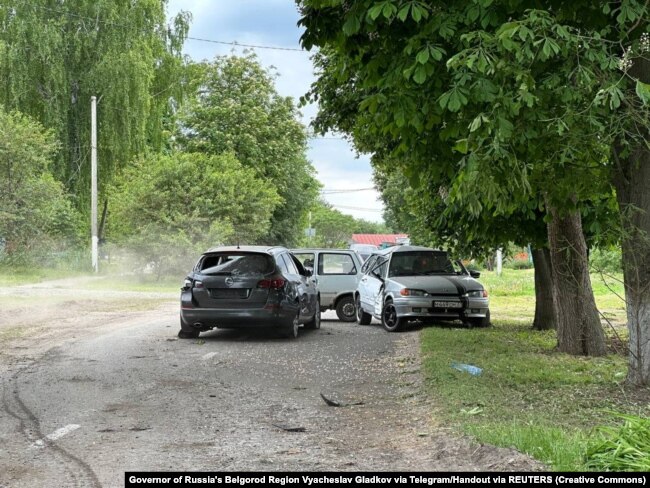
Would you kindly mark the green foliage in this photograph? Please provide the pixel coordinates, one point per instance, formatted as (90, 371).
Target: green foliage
(519, 264)
(490, 110)
(237, 109)
(622, 448)
(606, 260)
(55, 55)
(334, 229)
(167, 209)
(35, 212)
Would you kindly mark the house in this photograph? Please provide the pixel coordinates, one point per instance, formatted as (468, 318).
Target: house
(380, 240)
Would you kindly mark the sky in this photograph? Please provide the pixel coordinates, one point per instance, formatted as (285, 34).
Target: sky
(274, 23)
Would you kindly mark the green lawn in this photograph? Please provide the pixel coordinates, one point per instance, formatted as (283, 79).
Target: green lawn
(529, 396)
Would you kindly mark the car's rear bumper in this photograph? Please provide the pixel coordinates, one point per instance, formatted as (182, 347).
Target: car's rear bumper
(209, 318)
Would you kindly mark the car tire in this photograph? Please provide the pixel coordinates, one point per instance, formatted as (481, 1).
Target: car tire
(314, 323)
(346, 310)
(389, 318)
(291, 331)
(363, 318)
(481, 322)
(188, 334)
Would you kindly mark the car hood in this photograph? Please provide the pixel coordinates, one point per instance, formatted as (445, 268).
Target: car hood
(439, 284)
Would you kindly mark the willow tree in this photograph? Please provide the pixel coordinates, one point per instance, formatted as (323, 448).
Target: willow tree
(55, 55)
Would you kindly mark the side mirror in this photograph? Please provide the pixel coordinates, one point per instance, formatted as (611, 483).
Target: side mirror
(309, 272)
(475, 274)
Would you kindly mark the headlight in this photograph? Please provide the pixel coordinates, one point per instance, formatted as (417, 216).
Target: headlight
(407, 292)
(477, 294)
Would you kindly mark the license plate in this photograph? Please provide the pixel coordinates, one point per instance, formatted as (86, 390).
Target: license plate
(447, 304)
(225, 293)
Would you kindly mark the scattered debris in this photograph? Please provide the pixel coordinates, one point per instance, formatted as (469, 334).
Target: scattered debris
(473, 370)
(289, 429)
(334, 403)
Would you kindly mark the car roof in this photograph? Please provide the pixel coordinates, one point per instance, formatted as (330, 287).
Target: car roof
(261, 249)
(399, 249)
(321, 249)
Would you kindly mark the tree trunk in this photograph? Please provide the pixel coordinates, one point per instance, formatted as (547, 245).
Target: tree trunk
(578, 323)
(632, 183)
(545, 308)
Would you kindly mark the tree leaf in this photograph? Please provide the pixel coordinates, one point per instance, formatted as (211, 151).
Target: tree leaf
(420, 75)
(476, 123)
(643, 91)
(461, 146)
(352, 25)
(403, 12)
(423, 56)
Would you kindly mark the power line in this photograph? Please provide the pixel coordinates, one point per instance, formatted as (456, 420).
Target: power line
(124, 26)
(254, 46)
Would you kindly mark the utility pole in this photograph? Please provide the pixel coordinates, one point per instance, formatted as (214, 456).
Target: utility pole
(93, 184)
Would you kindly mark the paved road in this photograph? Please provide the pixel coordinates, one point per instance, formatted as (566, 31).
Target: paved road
(131, 396)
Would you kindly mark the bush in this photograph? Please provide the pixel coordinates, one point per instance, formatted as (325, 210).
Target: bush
(519, 264)
(606, 260)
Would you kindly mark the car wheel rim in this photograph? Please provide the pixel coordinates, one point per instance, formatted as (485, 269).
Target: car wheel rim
(390, 316)
(348, 309)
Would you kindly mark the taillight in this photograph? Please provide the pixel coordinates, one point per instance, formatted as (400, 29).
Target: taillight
(275, 283)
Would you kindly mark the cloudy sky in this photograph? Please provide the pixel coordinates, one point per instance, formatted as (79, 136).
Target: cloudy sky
(273, 23)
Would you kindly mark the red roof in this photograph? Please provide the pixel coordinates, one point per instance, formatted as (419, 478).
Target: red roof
(376, 239)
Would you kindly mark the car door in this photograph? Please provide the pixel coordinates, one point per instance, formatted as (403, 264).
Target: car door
(371, 283)
(337, 273)
(376, 285)
(362, 286)
(304, 287)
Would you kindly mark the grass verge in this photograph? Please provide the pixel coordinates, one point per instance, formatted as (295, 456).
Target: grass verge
(529, 396)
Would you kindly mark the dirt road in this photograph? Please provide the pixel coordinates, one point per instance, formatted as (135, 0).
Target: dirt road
(95, 383)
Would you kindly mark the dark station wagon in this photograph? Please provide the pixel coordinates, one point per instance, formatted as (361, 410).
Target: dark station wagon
(248, 287)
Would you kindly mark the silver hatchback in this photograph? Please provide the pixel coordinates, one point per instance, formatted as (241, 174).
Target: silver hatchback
(405, 283)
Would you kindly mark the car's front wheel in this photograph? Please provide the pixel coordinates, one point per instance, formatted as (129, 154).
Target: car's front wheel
(389, 318)
(346, 310)
(363, 318)
(481, 322)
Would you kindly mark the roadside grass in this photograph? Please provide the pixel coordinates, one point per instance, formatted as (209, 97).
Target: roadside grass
(143, 283)
(529, 396)
(25, 276)
(135, 283)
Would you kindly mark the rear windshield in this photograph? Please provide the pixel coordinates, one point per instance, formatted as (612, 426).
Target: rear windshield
(237, 264)
(416, 263)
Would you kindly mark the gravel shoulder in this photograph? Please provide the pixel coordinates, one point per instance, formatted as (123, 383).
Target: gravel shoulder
(110, 364)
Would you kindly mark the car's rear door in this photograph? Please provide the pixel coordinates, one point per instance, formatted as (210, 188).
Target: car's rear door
(231, 280)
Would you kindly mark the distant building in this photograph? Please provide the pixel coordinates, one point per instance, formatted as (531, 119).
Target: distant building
(381, 240)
